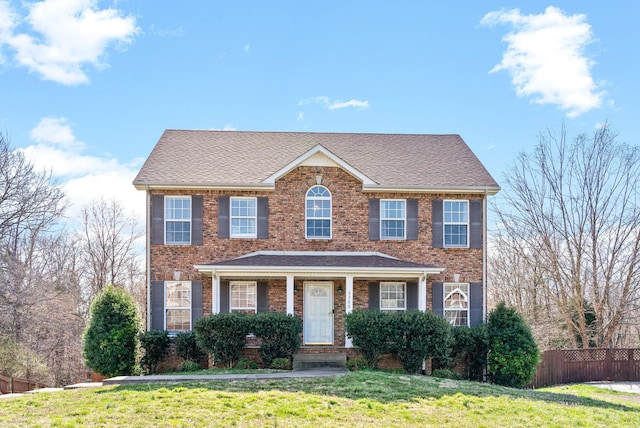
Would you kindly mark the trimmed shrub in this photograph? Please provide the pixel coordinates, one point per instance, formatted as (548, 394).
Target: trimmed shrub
(111, 338)
(281, 364)
(372, 332)
(155, 344)
(187, 347)
(470, 347)
(189, 366)
(514, 354)
(223, 336)
(419, 336)
(246, 363)
(355, 364)
(279, 334)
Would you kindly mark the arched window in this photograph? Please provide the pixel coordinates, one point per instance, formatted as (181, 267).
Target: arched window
(318, 213)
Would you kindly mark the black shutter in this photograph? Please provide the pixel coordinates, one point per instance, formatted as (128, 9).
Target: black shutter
(157, 219)
(196, 219)
(196, 302)
(475, 226)
(223, 216)
(476, 303)
(374, 296)
(262, 297)
(412, 296)
(436, 224)
(224, 297)
(438, 298)
(157, 305)
(263, 218)
(412, 219)
(374, 219)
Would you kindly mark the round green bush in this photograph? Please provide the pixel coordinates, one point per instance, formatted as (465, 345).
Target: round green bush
(513, 352)
(155, 344)
(111, 338)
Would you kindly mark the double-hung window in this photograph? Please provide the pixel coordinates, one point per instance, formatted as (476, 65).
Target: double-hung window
(393, 296)
(243, 217)
(456, 304)
(393, 219)
(318, 213)
(177, 215)
(243, 296)
(456, 223)
(177, 306)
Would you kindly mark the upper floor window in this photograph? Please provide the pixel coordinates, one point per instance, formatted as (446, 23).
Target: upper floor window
(177, 306)
(177, 215)
(393, 296)
(392, 218)
(243, 217)
(456, 223)
(318, 213)
(243, 296)
(456, 304)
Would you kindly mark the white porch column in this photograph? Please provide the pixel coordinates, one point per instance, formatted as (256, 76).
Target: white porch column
(422, 293)
(215, 295)
(289, 294)
(348, 305)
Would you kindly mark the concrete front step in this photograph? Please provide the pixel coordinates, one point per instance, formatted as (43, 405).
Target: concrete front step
(303, 361)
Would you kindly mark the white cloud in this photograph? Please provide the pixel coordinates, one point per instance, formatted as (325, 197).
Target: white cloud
(545, 58)
(334, 105)
(351, 103)
(84, 178)
(64, 37)
(227, 127)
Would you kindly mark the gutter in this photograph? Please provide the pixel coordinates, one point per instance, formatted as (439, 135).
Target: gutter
(148, 257)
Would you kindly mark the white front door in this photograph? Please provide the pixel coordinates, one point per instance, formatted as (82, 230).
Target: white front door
(318, 313)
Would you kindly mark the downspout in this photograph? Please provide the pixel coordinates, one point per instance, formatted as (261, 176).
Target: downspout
(148, 257)
(484, 258)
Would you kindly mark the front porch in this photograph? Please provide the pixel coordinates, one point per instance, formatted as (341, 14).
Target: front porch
(319, 287)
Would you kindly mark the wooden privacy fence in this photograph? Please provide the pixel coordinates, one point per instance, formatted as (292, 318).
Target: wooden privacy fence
(16, 385)
(586, 365)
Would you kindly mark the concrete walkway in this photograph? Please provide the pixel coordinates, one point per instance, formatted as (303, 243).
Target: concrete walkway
(132, 380)
(307, 373)
(633, 387)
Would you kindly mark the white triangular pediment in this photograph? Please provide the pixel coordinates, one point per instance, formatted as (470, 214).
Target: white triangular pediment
(319, 156)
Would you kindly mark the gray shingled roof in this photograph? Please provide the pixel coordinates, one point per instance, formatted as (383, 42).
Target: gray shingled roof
(320, 261)
(240, 158)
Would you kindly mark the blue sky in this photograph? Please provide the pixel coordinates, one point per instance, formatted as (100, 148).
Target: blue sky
(88, 87)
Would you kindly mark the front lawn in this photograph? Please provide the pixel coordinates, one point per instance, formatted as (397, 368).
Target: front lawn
(354, 399)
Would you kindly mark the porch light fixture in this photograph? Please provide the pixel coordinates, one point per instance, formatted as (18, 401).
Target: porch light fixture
(176, 275)
(340, 289)
(456, 277)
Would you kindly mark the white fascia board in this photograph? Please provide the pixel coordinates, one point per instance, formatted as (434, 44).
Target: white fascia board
(316, 253)
(420, 189)
(318, 149)
(202, 186)
(311, 271)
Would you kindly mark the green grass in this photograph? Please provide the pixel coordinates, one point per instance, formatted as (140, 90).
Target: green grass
(355, 399)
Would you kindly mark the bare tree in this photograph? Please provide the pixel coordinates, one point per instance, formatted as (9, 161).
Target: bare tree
(109, 244)
(571, 219)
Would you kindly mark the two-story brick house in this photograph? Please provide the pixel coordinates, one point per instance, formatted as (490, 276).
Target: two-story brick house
(314, 224)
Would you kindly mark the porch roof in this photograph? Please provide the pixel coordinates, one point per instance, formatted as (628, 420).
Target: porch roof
(325, 262)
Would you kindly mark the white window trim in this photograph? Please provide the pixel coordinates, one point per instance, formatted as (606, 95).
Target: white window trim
(404, 229)
(323, 198)
(445, 224)
(167, 283)
(444, 300)
(231, 307)
(167, 198)
(231, 217)
(404, 286)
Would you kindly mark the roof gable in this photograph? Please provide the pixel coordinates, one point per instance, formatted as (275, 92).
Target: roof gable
(318, 156)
